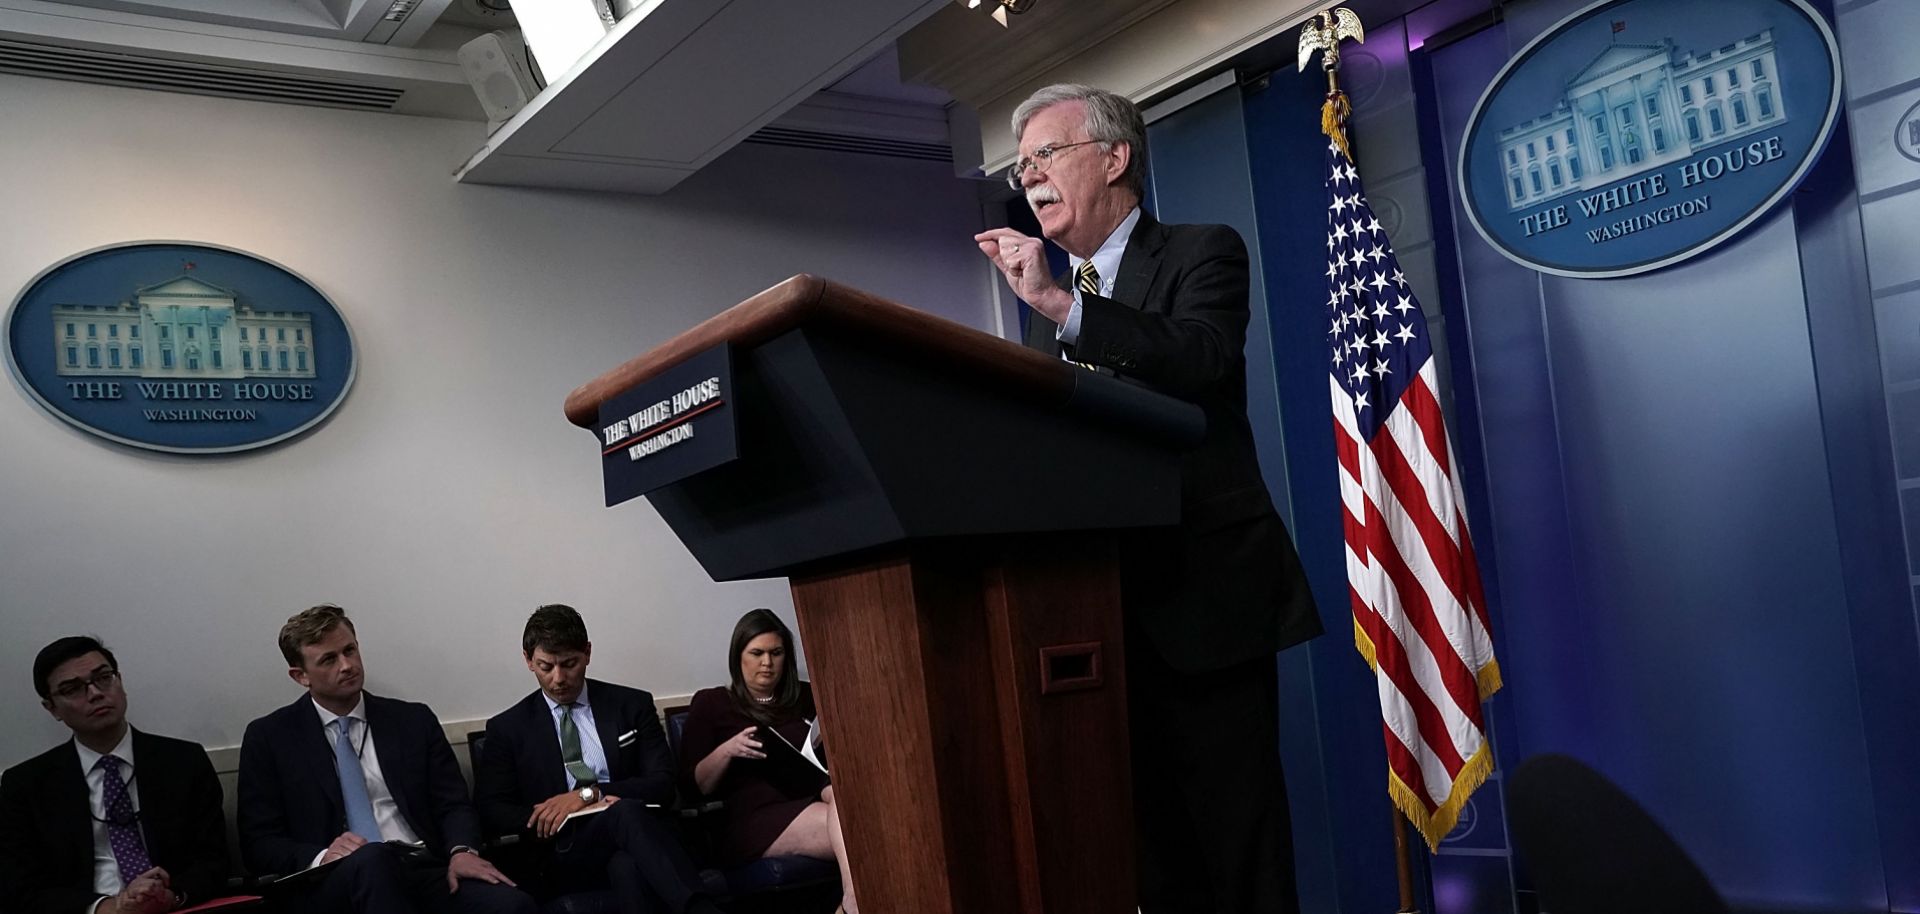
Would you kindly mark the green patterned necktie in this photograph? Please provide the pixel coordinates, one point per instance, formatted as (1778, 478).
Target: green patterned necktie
(1087, 280)
(570, 750)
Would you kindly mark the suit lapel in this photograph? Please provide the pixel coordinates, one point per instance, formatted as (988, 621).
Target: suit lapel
(72, 819)
(1140, 261)
(153, 803)
(607, 718)
(310, 741)
(546, 746)
(387, 749)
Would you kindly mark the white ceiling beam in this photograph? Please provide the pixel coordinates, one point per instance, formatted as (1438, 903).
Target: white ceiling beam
(431, 81)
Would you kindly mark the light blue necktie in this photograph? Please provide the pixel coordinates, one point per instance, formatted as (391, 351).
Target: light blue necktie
(353, 785)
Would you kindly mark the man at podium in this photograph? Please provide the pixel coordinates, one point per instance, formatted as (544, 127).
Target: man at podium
(1208, 603)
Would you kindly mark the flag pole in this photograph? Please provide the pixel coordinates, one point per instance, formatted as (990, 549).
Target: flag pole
(1324, 32)
(1403, 861)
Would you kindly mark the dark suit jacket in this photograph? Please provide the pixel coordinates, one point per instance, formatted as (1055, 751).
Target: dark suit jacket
(1227, 586)
(46, 825)
(290, 806)
(520, 765)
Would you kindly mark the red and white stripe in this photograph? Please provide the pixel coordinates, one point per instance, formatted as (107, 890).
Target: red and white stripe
(1419, 614)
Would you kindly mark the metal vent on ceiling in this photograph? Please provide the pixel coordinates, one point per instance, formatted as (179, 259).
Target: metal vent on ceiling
(169, 75)
(809, 139)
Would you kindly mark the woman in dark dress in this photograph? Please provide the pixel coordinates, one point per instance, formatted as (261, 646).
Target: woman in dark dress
(766, 816)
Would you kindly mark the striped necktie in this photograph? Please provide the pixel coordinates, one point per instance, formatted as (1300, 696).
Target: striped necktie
(570, 754)
(1087, 280)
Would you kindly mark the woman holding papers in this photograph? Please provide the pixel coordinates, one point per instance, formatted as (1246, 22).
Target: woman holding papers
(776, 805)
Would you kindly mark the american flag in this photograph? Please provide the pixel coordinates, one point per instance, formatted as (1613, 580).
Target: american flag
(1418, 614)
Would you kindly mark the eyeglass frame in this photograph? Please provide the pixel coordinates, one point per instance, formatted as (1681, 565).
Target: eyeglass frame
(1039, 161)
(101, 679)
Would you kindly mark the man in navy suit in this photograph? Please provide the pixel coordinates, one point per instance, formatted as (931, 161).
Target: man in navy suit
(581, 745)
(344, 774)
(1207, 603)
(113, 821)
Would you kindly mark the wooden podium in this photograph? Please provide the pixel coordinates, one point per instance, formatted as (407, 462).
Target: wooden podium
(944, 503)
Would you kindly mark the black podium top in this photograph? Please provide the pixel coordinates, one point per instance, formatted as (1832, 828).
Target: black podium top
(865, 423)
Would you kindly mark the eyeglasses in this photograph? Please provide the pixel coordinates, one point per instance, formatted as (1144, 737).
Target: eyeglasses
(1040, 161)
(74, 688)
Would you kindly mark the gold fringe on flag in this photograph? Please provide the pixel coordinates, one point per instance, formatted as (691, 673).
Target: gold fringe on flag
(1435, 826)
(1333, 117)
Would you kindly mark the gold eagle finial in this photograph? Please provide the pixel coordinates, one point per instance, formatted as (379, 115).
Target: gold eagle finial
(1324, 32)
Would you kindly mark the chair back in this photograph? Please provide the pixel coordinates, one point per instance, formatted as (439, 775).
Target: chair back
(476, 741)
(1590, 849)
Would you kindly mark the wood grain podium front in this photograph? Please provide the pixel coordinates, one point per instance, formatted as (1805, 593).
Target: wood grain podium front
(946, 505)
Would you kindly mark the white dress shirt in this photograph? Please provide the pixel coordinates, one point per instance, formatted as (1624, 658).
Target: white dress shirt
(591, 752)
(386, 812)
(1106, 261)
(106, 870)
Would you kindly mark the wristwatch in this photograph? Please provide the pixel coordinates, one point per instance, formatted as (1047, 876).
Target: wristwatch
(589, 793)
(459, 849)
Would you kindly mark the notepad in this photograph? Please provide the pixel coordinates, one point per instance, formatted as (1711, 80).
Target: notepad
(794, 770)
(313, 874)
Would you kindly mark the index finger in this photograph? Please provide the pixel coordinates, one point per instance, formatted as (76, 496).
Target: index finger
(1002, 234)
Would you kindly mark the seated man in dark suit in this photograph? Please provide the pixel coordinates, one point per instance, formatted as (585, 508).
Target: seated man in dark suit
(580, 744)
(78, 833)
(344, 774)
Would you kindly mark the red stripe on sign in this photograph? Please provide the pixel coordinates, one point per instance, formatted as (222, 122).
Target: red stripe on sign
(653, 430)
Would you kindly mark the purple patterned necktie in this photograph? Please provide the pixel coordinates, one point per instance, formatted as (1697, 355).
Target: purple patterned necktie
(123, 829)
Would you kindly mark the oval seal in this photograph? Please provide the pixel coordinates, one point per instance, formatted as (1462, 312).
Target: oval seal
(180, 347)
(1635, 134)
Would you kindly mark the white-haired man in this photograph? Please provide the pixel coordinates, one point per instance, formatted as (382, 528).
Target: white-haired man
(1208, 603)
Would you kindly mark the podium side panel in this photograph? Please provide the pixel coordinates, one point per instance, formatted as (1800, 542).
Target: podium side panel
(1054, 608)
(896, 653)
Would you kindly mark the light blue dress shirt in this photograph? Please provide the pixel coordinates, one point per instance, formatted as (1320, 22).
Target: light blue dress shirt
(591, 751)
(1106, 261)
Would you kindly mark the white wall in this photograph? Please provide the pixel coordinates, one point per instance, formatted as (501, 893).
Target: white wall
(448, 496)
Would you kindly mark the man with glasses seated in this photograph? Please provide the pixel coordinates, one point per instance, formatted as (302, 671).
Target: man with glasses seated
(113, 821)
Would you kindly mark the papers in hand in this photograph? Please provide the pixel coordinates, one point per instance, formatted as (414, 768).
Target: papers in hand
(795, 770)
(587, 811)
(811, 750)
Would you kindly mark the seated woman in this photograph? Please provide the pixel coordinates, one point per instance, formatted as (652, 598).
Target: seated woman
(767, 816)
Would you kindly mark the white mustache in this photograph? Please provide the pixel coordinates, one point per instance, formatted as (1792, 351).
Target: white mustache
(1042, 193)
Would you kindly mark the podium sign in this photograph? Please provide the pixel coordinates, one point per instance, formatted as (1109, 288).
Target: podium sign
(669, 428)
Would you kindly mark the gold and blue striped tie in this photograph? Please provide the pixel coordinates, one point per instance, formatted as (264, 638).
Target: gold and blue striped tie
(1087, 280)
